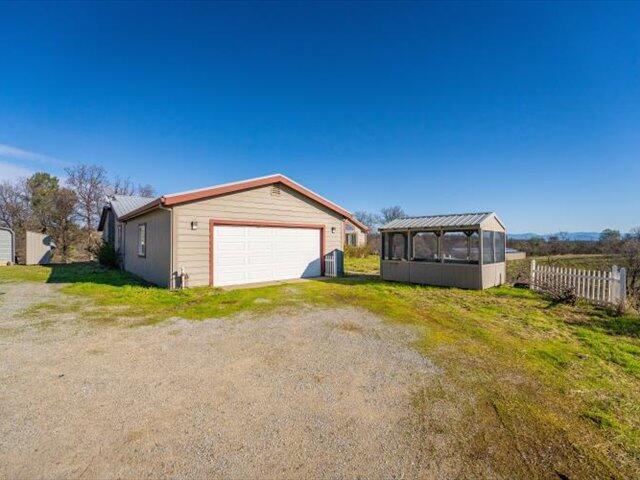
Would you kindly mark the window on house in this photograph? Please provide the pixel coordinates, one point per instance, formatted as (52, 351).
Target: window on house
(351, 239)
(142, 240)
(425, 247)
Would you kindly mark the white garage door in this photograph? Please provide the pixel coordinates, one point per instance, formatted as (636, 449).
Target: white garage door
(261, 254)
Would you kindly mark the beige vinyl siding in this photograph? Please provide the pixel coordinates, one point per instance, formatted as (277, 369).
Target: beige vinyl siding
(492, 224)
(494, 274)
(155, 267)
(191, 251)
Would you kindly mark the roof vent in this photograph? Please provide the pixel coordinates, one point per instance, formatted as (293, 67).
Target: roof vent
(275, 190)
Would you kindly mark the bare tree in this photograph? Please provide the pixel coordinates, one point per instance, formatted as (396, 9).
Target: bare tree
(371, 220)
(122, 186)
(89, 183)
(14, 204)
(391, 213)
(146, 191)
(634, 234)
(631, 254)
(610, 240)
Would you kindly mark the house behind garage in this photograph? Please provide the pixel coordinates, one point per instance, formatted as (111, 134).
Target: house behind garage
(115, 208)
(354, 236)
(263, 229)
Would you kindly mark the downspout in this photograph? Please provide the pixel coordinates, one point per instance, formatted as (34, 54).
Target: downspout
(171, 269)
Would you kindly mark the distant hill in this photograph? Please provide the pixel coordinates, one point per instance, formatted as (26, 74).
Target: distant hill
(575, 236)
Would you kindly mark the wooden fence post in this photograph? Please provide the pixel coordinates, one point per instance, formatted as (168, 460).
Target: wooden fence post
(532, 280)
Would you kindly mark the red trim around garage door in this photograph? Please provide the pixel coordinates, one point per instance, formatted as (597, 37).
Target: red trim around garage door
(250, 223)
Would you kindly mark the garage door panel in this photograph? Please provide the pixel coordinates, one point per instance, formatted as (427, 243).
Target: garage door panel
(255, 232)
(259, 275)
(230, 260)
(229, 232)
(265, 245)
(259, 260)
(230, 246)
(232, 276)
(258, 254)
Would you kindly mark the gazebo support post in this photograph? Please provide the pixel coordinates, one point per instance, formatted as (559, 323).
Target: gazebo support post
(481, 258)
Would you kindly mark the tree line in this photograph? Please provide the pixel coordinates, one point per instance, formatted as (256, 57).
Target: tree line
(610, 242)
(374, 220)
(68, 210)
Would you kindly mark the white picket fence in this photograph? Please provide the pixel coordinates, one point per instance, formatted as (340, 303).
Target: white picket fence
(602, 287)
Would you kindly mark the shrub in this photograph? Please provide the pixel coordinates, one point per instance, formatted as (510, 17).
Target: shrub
(107, 255)
(557, 293)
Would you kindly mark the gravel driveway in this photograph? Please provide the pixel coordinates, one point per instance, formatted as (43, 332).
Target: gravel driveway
(315, 393)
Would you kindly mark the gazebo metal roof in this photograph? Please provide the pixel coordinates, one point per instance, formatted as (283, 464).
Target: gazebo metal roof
(456, 220)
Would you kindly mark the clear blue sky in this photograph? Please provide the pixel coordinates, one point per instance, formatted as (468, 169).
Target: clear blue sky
(531, 110)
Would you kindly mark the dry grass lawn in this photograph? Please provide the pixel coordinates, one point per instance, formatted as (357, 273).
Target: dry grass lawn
(493, 384)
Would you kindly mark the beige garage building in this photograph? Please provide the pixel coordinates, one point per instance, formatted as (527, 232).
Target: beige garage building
(458, 250)
(263, 229)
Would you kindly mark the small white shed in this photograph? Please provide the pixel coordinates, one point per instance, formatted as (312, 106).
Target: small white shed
(39, 248)
(7, 246)
(33, 248)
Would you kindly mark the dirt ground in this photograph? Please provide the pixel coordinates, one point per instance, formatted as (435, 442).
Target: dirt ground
(315, 393)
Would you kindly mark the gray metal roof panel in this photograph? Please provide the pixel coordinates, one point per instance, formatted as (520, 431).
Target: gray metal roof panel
(439, 221)
(123, 204)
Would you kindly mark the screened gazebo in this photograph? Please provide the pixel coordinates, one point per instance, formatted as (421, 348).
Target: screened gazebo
(459, 250)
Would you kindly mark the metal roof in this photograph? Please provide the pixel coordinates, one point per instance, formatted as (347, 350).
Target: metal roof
(123, 204)
(227, 188)
(439, 221)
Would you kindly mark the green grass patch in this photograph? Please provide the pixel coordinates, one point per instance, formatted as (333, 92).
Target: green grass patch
(88, 272)
(369, 265)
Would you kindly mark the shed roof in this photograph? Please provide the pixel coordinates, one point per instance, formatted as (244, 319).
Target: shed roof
(454, 220)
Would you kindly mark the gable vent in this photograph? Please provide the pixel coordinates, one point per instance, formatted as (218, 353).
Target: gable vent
(275, 190)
